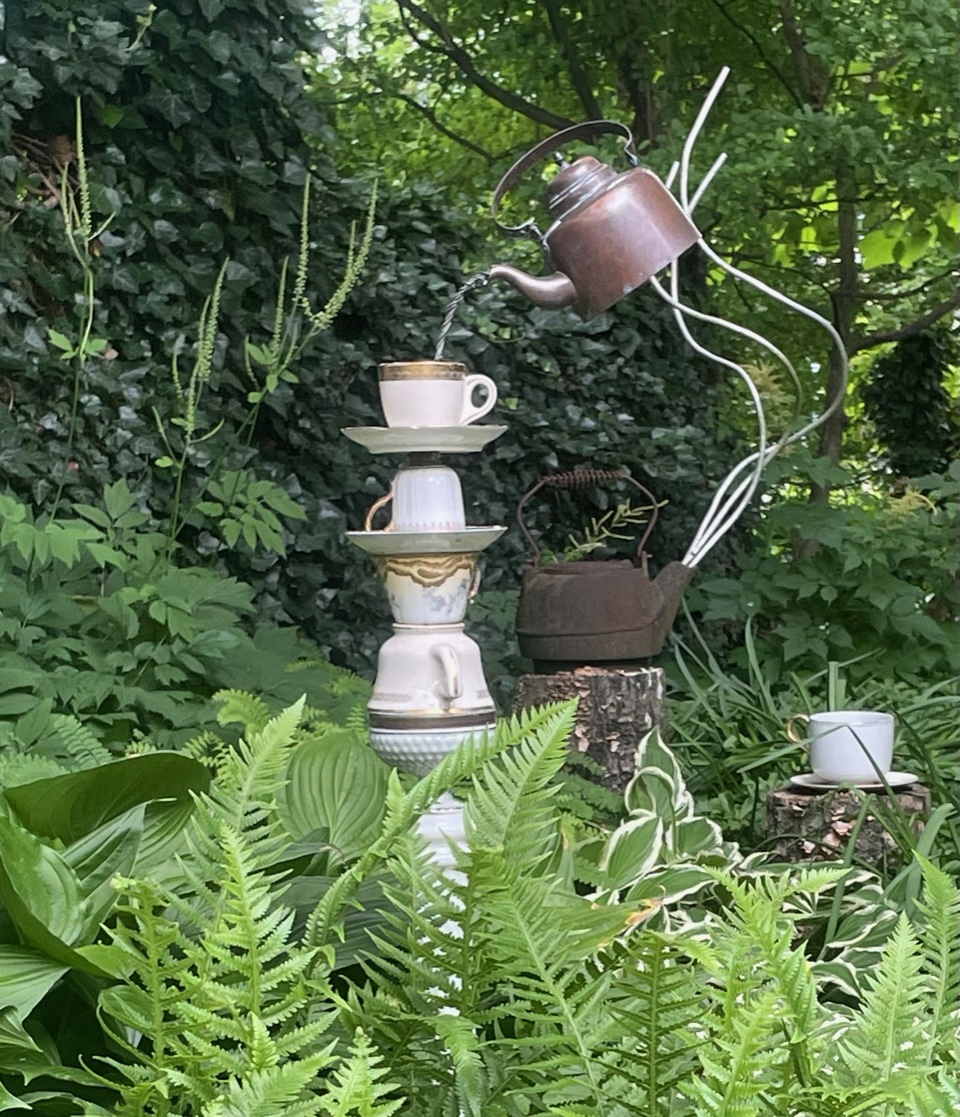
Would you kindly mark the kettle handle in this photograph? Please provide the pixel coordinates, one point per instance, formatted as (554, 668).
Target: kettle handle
(545, 147)
(586, 479)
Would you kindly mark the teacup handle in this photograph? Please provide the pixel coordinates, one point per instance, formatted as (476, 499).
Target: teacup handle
(469, 413)
(374, 509)
(447, 658)
(792, 733)
(475, 582)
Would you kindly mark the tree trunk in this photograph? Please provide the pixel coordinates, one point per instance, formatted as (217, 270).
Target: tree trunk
(617, 707)
(817, 826)
(844, 300)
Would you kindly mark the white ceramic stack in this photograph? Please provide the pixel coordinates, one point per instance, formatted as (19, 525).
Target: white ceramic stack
(430, 693)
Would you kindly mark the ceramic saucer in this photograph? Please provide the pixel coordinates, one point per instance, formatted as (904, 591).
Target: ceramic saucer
(816, 783)
(463, 541)
(414, 440)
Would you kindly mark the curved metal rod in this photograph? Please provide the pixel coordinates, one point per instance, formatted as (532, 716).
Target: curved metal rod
(694, 132)
(718, 520)
(694, 554)
(745, 331)
(708, 532)
(808, 313)
(767, 456)
(705, 181)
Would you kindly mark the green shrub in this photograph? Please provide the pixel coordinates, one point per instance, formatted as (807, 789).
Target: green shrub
(872, 581)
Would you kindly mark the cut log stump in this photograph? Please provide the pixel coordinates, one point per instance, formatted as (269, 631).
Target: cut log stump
(617, 708)
(807, 825)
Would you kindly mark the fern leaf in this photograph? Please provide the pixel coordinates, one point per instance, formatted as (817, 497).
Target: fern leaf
(461, 1040)
(657, 1001)
(238, 706)
(883, 1037)
(402, 809)
(80, 746)
(736, 1064)
(509, 808)
(222, 1011)
(356, 1086)
(940, 951)
(272, 1090)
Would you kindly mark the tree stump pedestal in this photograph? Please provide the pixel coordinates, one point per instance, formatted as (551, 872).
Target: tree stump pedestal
(814, 825)
(617, 707)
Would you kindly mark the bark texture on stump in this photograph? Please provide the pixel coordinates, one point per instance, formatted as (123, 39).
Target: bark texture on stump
(617, 708)
(816, 826)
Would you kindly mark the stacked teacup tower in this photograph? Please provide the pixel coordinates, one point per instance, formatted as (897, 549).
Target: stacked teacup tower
(430, 693)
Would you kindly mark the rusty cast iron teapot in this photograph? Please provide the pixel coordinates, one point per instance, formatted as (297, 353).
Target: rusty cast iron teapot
(610, 233)
(589, 612)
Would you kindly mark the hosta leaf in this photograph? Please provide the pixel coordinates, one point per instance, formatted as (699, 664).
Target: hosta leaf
(632, 850)
(67, 807)
(26, 976)
(98, 857)
(336, 784)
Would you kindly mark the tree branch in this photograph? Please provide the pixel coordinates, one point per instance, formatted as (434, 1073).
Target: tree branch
(578, 76)
(431, 115)
(761, 53)
(463, 61)
(911, 328)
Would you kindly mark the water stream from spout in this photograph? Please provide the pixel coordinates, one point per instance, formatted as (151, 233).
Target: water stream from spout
(478, 280)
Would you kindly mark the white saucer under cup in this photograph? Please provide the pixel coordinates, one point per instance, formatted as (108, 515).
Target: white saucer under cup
(895, 781)
(417, 440)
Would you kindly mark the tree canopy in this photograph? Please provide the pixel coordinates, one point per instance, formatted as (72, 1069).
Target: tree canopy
(839, 124)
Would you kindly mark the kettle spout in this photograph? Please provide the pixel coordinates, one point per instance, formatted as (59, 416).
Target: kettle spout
(550, 292)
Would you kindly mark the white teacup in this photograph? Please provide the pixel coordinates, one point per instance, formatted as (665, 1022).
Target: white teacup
(432, 394)
(429, 589)
(425, 498)
(847, 746)
(429, 671)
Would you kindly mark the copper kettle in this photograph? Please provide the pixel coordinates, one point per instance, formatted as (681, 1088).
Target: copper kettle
(610, 233)
(576, 613)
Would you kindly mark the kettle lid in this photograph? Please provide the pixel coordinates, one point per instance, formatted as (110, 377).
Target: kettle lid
(577, 182)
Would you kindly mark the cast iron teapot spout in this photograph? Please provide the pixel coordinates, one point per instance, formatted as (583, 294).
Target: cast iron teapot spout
(610, 232)
(549, 292)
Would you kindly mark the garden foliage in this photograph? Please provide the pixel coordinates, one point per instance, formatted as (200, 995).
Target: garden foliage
(497, 989)
(197, 142)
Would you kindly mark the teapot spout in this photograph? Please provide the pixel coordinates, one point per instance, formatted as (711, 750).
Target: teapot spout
(549, 292)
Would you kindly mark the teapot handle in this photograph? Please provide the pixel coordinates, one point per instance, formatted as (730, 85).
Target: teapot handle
(450, 665)
(545, 147)
(586, 479)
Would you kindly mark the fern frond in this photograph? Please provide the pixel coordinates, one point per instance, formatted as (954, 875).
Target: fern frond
(80, 746)
(403, 808)
(884, 1034)
(271, 1090)
(224, 1010)
(243, 797)
(239, 706)
(658, 1002)
(940, 965)
(509, 808)
(736, 1065)
(356, 1086)
(463, 1043)
(18, 768)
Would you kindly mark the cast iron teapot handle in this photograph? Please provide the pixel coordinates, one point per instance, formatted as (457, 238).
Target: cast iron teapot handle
(586, 479)
(578, 132)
